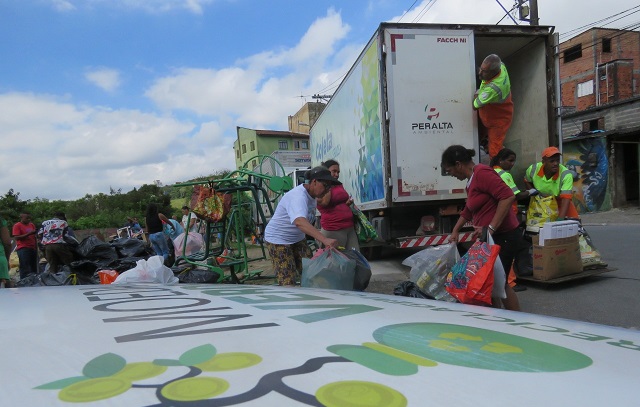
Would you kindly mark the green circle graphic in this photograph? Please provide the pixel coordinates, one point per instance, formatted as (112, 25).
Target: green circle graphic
(229, 361)
(94, 389)
(480, 348)
(359, 394)
(140, 371)
(194, 388)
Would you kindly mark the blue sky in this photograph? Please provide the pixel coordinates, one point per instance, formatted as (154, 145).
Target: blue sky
(100, 94)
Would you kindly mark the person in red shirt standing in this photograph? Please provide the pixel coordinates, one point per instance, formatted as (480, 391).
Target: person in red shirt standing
(488, 205)
(336, 217)
(24, 232)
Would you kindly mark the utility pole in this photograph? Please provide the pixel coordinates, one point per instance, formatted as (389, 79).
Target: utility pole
(530, 10)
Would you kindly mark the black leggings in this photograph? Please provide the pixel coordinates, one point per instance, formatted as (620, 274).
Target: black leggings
(508, 242)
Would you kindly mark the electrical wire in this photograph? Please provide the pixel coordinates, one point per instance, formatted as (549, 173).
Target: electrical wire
(619, 32)
(584, 27)
(424, 10)
(409, 9)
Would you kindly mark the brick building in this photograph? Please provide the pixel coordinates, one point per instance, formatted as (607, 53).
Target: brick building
(600, 79)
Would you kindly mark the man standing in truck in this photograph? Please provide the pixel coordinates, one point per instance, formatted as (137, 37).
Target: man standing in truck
(493, 102)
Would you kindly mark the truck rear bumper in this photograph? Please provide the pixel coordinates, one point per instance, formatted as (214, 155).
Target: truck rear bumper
(431, 240)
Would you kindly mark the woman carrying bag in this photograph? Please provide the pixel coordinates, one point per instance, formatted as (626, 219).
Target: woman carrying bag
(488, 205)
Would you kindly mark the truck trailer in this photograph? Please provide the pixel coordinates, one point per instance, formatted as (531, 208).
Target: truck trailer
(408, 97)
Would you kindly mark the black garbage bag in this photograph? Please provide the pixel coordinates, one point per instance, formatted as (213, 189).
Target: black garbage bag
(92, 248)
(410, 289)
(363, 269)
(124, 264)
(129, 247)
(85, 267)
(32, 280)
(62, 277)
(197, 276)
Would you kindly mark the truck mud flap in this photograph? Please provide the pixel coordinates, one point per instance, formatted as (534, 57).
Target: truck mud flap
(430, 240)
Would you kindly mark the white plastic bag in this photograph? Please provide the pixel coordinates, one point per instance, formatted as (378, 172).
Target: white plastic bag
(429, 269)
(152, 270)
(499, 275)
(194, 243)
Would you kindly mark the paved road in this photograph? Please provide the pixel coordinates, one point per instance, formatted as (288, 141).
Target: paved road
(610, 298)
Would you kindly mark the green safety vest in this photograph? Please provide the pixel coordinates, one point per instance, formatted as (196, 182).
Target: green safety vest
(560, 184)
(497, 90)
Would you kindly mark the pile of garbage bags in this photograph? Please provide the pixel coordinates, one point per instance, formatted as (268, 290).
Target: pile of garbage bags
(93, 256)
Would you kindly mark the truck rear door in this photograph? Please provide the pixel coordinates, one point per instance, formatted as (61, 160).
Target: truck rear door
(430, 83)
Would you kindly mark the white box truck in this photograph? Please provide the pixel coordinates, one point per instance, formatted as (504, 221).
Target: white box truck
(408, 97)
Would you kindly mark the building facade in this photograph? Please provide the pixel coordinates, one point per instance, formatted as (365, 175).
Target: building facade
(250, 144)
(599, 79)
(303, 120)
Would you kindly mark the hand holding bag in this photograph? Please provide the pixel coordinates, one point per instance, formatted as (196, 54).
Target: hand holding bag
(364, 229)
(328, 268)
(542, 209)
(471, 279)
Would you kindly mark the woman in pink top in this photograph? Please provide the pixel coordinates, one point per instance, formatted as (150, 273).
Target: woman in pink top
(336, 217)
(488, 205)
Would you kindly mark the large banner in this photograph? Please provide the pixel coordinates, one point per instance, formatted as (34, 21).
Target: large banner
(588, 159)
(224, 345)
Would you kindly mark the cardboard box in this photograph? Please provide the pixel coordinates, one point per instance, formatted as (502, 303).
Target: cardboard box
(557, 258)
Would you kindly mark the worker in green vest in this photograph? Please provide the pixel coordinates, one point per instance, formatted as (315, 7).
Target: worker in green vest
(551, 178)
(493, 103)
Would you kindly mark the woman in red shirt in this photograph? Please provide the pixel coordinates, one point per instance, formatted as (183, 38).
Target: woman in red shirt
(488, 205)
(336, 217)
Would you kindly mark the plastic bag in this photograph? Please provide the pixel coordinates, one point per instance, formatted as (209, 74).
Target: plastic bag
(410, 289)
(589, 254)
(499, 273)
(194, 243)
(92, 248)
(364, 229)
(471, 279)
(209, 204)
(541, 210)
(107, 276)
(328, 268)
(430, 267)
(198, 276)
(129, 247)
(363, 269)
(148, 271)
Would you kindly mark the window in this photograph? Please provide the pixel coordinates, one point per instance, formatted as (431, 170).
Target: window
(305, 145)
(296, 145)
(254, 163)
(585, 88)
(237, 153)
(253, 145)
(244, 149)
(283, 145)
(606, 45)
(573, 53)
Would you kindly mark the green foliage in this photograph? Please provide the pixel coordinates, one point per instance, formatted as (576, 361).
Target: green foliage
(103, 210)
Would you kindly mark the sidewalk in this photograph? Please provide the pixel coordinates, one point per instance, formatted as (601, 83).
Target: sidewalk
(617, 216)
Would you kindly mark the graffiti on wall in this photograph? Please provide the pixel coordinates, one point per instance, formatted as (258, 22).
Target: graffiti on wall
(588, 159)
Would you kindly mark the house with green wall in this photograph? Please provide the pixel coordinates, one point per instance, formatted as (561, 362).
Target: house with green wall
(251, 143)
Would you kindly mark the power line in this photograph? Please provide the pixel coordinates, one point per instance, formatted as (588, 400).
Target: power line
(424, 10)
(409, 9)
(622, 31)
(601, 21)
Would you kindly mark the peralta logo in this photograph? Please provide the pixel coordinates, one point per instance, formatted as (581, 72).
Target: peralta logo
(431, 126)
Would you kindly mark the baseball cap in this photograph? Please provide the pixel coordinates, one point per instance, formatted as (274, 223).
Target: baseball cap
(550, 152)
(321, 174)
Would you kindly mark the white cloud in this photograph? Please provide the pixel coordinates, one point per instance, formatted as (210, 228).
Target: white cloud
(104, 78)
(260, 91)
(150, 6)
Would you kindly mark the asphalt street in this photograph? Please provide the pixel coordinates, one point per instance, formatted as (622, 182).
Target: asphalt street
(610, 298)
